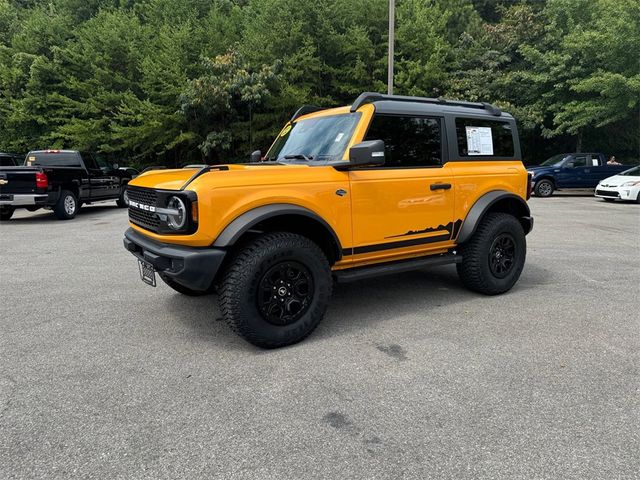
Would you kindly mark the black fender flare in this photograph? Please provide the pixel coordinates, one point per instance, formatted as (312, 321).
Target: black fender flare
(484, 204)
(241, 224)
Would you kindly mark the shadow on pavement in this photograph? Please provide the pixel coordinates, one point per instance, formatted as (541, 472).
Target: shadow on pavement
(353, 306)
(43, 215)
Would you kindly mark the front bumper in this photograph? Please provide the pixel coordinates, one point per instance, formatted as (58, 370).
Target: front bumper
(194, 268)
(22, 200)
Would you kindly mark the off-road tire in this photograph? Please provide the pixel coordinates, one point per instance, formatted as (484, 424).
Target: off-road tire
(181, 288)
(66, 207)
(122, 200)
(6, 213)
(475, 271)
(241, 282)
(544, 188)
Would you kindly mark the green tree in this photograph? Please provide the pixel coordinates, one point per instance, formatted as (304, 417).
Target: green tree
(224, 96)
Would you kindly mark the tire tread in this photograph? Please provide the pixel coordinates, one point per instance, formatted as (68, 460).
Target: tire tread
(246, 260)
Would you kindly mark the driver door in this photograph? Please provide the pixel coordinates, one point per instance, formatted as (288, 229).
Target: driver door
(109, 185)
(404, 207)
(574, 172)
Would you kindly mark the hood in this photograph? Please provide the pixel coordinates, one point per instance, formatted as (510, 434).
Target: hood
(176, 179)
(164, 179)
(618, 180)
(535, 168)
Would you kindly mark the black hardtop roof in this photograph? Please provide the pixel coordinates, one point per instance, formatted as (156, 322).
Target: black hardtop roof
(403, 105)
(400, 104)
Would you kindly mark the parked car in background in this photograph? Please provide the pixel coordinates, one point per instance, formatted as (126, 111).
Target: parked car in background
(571, 170)
(624, 186)
(10, 159)
(61, 180)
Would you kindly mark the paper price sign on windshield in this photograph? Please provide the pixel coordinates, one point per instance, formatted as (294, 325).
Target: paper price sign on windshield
(479, 141)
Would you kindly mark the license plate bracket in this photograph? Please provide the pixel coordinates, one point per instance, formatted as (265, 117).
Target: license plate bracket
(147, 273)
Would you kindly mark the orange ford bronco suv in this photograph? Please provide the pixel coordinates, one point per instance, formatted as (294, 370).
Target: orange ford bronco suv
(386, 185)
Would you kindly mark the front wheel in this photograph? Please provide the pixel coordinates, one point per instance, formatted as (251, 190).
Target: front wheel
(6, 213)
(123, 199)
(67, 206)
(494, 257)
(276, 289)
(543, 188)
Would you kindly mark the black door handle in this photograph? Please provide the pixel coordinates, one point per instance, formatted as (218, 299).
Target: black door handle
(440, 186)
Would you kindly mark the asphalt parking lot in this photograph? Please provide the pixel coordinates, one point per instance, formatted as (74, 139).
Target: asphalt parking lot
(409, 376)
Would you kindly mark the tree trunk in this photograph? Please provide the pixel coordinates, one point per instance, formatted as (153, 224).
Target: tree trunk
(579, 141)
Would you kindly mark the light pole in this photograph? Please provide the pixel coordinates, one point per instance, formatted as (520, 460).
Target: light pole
(392, 39)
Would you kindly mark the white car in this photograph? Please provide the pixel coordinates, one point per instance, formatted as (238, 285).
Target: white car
(624, 186)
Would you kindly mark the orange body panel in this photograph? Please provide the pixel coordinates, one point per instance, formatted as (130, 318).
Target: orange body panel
(395, 208)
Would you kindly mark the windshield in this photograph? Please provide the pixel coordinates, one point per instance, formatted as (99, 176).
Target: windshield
(632, 172)
(314, 139)
(556, 159)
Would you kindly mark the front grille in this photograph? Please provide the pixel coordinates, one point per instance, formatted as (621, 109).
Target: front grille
(604, 193)
(140, 217)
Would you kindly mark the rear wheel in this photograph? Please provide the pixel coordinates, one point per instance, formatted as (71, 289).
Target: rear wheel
(494, 257)
(276, 289)
(6, 213)
(67, 206)
(544, 188)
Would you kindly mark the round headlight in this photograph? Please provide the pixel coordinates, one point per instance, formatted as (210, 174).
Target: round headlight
(177, 219)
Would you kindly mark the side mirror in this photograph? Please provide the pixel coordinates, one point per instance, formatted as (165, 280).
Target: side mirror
(370, 152)
(256, 156)
(569, 165)
(115, 166)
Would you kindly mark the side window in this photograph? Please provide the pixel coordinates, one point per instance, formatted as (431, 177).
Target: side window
(579, 161)
(88, 160)
(102, 163)
(409, 141)
(479, 137)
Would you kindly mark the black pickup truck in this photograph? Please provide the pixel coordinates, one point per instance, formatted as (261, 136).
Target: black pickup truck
(61, 180)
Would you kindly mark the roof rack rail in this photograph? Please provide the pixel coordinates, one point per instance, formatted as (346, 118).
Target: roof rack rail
(304, 110)
(370, 97)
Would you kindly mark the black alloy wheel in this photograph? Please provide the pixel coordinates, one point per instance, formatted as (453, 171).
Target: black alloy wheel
(285, 292)
(502, 255)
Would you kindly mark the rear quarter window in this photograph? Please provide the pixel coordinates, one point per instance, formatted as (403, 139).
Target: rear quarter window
(484, 138)
(62, 159)
(6, 161)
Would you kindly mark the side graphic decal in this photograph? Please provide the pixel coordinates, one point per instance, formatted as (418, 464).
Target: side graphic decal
(449, 227)
(448, 232)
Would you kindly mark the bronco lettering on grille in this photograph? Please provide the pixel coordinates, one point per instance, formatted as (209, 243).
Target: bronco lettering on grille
(142, 206)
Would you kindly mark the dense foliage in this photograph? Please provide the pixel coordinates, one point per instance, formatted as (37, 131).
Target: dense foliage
(182, 81)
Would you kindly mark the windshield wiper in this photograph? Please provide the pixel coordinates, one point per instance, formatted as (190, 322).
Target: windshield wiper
(299, 156)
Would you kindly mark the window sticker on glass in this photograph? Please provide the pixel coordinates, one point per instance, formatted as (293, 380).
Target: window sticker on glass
(339, 137)
(479, 141)
(285, 130)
